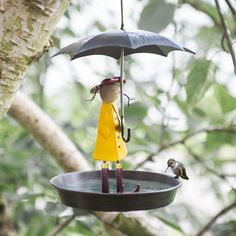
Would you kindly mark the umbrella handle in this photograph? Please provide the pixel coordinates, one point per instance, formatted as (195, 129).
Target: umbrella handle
(123, 134)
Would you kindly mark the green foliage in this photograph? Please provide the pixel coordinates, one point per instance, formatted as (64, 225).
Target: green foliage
(226, 101)
(156, 15)
(135, 113)
(215, 140)
(227, 228)
(198, 81)
(210, 107)
(169, 223)
(207, 37)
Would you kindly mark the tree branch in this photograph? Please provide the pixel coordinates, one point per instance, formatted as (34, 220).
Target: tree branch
(212, 221)
(226, 34)
(231, 8)
(62, 225)
(108, 223)
(47, 133)
(119, 222)
(210, 11)
(215, 172)
(182, 140)
(206, 8)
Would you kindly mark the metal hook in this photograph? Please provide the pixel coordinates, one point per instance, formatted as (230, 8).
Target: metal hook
(123, 133)
(129, 99)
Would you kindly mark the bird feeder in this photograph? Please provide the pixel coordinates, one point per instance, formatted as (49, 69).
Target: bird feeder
(116, 190)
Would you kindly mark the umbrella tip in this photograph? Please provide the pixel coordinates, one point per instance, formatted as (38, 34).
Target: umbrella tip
(188, 50)
(56, 54)
(59, 53)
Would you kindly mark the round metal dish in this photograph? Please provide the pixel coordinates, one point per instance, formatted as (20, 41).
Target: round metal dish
(83, 190)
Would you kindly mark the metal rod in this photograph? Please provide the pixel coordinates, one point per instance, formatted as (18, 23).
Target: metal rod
(122, 55)
(121, 86)
(122, 110)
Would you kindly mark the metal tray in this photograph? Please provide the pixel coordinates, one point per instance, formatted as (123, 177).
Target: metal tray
(83, 190)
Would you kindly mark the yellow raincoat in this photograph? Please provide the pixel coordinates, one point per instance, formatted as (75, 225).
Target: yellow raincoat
(109, 144)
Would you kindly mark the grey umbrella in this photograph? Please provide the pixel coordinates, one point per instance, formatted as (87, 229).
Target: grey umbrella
(109, 43)
(120, 43)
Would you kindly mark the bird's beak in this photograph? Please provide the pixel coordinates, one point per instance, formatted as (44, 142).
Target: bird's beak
(166, 169)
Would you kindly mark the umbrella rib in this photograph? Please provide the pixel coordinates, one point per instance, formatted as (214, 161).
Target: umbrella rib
(88, 41)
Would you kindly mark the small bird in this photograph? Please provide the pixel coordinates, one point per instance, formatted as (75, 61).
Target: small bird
(177, 168)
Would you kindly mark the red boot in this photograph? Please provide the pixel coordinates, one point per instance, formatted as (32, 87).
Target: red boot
(119, 178)
(105, 177)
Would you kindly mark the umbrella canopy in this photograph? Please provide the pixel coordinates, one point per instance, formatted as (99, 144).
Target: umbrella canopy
(109, 43)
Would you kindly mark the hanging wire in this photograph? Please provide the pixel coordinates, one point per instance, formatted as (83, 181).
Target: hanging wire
(129, 99)
(122, 15)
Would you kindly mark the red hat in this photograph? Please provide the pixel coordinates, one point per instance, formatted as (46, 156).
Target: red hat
(107, 81)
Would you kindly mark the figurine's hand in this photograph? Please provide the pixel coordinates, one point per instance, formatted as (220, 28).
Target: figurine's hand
(118, 128)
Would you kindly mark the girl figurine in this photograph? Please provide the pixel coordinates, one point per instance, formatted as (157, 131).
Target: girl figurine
(109, 143)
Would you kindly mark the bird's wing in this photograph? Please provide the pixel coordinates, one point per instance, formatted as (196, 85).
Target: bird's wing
(180, 164)
(184, 174)
(177, 171)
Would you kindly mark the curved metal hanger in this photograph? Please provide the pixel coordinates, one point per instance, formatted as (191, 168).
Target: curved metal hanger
(126, 139)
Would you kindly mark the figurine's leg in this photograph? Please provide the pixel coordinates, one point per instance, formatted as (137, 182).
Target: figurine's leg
(105, 177)
(119, 178)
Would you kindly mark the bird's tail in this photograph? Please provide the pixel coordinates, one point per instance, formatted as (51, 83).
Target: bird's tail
(185, 177)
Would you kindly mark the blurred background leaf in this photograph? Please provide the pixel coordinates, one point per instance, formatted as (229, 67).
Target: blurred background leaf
(156, 15)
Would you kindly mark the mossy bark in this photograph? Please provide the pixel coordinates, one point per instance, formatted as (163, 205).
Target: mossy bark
(47, 133)
(7, 226)
(25, 30)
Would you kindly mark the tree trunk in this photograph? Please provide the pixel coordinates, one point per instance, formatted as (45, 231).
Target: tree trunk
(47, 133)
(25, 30)
(7, 226)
